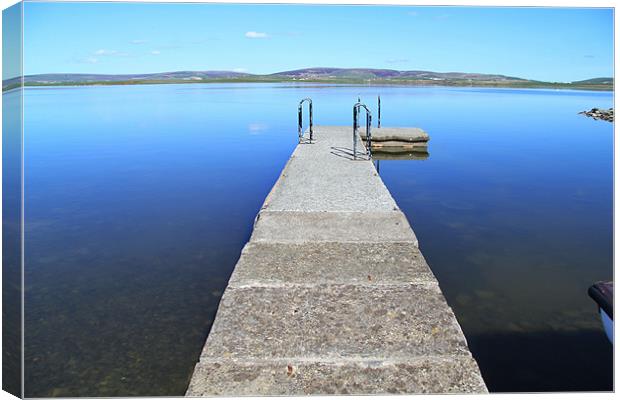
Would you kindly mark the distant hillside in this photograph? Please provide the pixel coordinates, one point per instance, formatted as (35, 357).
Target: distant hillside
(126, 79)
(183, 75)
(368, 76)
(595, 81)
(390, 74)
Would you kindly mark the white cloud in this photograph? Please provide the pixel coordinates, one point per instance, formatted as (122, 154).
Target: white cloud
(90, 60)
(256, 35)
(155, 52)
(240, 70)
(105, 52)
(413, 13)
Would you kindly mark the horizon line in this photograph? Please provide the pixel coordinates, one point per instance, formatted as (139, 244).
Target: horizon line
(292, 70)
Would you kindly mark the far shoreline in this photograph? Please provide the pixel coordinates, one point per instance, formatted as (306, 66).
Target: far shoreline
(426, 84)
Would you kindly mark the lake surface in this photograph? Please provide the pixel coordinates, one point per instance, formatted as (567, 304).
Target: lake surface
(139, 199)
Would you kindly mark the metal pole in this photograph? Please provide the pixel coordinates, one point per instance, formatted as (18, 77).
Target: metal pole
(311, 132)
(299, 122)
(355, 131)
(379, 116)
(368, 134)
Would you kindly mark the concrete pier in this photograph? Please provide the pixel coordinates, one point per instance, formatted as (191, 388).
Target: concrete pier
(331, 294)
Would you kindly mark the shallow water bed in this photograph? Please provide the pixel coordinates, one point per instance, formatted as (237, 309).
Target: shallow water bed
(140, 198)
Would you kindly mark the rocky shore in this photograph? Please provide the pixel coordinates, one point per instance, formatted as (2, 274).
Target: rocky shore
(596, 113)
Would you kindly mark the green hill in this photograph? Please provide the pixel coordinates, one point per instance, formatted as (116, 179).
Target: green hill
(367, 76)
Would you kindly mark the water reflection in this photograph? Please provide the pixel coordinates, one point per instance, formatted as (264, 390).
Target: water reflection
(399, 154)
(11, 242)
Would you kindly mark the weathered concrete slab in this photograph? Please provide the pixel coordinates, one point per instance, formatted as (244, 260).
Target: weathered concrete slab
(331, 294)
(394, 144)
(295, 377)
(330, 263)
(334, 322)
(399, 155)
(298, 227)
(322, 177)
(410, 135)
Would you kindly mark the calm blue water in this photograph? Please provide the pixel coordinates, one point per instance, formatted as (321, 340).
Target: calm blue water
(139, 199)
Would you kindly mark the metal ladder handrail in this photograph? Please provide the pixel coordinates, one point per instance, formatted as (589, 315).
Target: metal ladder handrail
(379, 111)
(378, 108)
(356, 108)
(300, 131)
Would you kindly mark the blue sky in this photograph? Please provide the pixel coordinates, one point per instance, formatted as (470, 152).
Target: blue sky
(11, 38)
(551, 44)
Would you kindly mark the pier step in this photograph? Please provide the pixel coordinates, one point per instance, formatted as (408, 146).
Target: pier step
(330, 263)
(334, 322)
(301, 377)
(314, 227)
(396, 135)
(367, 339)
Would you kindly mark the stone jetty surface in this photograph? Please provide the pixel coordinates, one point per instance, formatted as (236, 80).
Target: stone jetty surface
(386, 139)
(331, 294)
